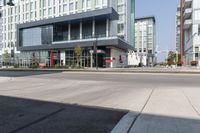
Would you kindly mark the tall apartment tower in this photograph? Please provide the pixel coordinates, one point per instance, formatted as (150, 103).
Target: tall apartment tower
(145, 38)
(62, 24)
(1, 30)
(178, 29)
(126, 10)
(190, 31)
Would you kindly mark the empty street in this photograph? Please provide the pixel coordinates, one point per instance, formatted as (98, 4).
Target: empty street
(78, 102)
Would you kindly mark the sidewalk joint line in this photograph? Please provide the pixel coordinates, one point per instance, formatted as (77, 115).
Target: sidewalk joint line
(37, 121)
(190, 102)
(139, 114)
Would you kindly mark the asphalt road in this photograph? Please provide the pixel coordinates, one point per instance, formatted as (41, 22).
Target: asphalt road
(35, 102)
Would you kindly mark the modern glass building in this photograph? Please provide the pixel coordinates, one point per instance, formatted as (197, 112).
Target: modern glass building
(50, 29)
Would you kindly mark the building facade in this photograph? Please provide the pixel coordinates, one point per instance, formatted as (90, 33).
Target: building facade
(145, 43)
(1, 30)
(190, 31)
(178, 29)
(50, 29)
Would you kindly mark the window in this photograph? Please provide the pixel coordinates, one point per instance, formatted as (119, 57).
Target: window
(44, 3)
(120, 28)
(120, 8)
(105, 2)
(88, 3)
(49, 2)
(71, 7)
(196, 55)
(97, 3)
(83, 3)
(197, 15)
(196, 4)
(64, 8)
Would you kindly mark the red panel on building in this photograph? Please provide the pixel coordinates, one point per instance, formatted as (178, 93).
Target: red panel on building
(108, 61)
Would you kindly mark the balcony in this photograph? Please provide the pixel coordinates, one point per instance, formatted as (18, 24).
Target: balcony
(178, 15)
(178, 23)
(187, 24)
(188, 13)
(178, 31)
(179, 7)
(188, 4)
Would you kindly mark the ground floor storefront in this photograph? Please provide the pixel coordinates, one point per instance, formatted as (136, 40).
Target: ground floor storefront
(105, 57)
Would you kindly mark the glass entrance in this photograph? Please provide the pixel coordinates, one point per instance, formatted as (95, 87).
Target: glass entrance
(55, 57)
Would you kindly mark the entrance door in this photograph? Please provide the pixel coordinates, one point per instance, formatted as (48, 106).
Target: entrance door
(100, 58)
(55, 57)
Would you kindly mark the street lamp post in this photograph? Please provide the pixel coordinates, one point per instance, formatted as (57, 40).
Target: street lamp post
(9, 3)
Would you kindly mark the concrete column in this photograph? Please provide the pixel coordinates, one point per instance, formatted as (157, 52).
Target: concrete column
(69, 31)
(107, 27)
(91, 59)
(62, 57)
(93, 28)
(81, 35)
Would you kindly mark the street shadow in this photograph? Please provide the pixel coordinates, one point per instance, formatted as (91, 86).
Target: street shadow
(10, 73)
(18, 115)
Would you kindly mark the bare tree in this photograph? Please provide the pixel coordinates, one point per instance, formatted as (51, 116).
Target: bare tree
(6, 58)
(78, 53)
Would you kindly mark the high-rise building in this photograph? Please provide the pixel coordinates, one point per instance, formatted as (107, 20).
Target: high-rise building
(50, 29)
(145, 43)
(126, 10)
(178, 29)
(1, 30)
(189, 31)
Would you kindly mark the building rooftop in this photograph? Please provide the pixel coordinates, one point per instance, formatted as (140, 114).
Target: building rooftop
(145, 17)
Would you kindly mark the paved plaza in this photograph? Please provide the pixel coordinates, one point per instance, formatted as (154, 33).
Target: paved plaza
(81, 102)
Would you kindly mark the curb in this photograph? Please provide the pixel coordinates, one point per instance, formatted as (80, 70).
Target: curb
(102, 71)
(125, 123)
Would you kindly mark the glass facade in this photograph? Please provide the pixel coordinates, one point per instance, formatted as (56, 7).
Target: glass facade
(100, 28)
(31, 37)
(75, 31)
(36, 36)
(60, 32)
(87, 29)
(45, 35)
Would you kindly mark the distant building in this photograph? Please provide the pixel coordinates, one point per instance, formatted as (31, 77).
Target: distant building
(145, 43)
(189, 31)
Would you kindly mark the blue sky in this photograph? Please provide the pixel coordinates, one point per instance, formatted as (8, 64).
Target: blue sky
(165, 13)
